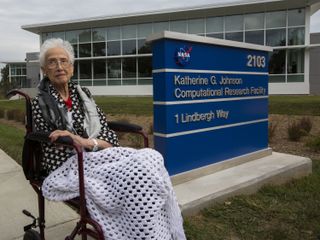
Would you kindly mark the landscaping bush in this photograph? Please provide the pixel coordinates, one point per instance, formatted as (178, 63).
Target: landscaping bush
(314, 144)
(305, 125)
(294, 131)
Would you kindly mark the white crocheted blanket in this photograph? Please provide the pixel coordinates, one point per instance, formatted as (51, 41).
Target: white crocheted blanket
(128, 192)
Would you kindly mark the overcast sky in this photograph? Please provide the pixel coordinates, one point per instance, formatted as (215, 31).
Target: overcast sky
(15, 42)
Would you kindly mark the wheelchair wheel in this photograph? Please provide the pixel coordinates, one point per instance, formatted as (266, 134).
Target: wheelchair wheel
(31, 235)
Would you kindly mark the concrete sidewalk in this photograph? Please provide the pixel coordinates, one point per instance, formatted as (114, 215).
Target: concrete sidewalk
(16, 193)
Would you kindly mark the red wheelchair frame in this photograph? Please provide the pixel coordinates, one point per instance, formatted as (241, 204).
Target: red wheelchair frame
(31, 158)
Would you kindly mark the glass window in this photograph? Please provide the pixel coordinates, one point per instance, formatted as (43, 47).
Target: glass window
(72, 36)
(276, 19)
(100, 82)
(235, 36)
(99, 49)
(160, 26)
(144, 81)
(113, 48)
(145, 67)
(256, 37)
(215, 35)
(85, 69)
(129, 31)
(143, 46)
(214, 24)
(75, 50)
(113, 33)
(13, 70)
(114, 82)
(296, 17)
(277, 78)
(178, 26)
(114, 68)
(75, 70)
(295, 61)
(85, 35)
(58, 35)
(144, 30)
(234, 23)
(254, 21)
(276, 37)
(129, 47)
(99, 69)
(129, 68)
(277, 62)
(85, 82)
(129, 81)
(295, 78)
(85, 50)
(98, 34)
(296, 36)
(196, 26)
(46, 36)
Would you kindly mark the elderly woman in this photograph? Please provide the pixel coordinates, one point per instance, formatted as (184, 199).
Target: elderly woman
(128, 191)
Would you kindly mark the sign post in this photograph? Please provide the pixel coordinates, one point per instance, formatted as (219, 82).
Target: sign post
(210, 99)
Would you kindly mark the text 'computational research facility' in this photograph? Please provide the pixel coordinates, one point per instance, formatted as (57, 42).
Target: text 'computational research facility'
(113, 57)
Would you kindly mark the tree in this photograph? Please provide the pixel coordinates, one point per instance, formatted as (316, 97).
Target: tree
(5, 84)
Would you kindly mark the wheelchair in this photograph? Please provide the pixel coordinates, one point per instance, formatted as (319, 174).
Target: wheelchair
(31, 159)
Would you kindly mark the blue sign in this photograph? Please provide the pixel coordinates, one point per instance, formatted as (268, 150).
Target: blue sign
(210, 100)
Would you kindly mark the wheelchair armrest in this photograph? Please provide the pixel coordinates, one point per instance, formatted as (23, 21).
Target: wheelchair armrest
(44, 137)
(124, 126)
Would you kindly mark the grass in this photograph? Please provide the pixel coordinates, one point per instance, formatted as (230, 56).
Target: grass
(295, 105)
(290, 211)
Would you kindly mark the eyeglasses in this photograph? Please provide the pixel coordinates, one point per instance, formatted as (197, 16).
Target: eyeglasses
(54, 63)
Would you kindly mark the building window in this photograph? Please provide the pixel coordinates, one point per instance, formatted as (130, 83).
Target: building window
(196, 26)
(277, 62)
(296, 36)
(72, 36)
(58, 35)
(129, 47)
(276, 37)
(295, 61)
(85, 69)
(235, 36)
(98, 34)
(99, 49)
(113, 33)
(143, 46)
(144, 30)
(129, 31)
(113, 48)
(215, 35)
(144, 67)
(99, 69)
(214, 25)
(178, 26)
(276, 19)
(129, 68)
(296, 17)
(160, 26)
(256, 37)
(254, 21)
(85, 50)
(234, 23)
(114, 68)
(85, 36)
(75, 70)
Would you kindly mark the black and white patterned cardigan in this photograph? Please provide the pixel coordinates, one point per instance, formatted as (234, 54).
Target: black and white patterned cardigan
(54, 156)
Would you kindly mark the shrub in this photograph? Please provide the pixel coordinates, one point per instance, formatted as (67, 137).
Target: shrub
(305, 125)
(150, 130)
(314, 144)
(294, 131)
(135, 140)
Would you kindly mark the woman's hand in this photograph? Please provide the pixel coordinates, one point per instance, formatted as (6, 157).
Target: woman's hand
(84, 142)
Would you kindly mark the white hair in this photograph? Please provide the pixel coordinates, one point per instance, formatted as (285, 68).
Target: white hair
(54, 43)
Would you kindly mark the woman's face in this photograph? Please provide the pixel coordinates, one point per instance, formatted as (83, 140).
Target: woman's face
(58, 67)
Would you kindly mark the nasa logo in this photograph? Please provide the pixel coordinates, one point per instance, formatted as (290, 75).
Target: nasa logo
(183, 55)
